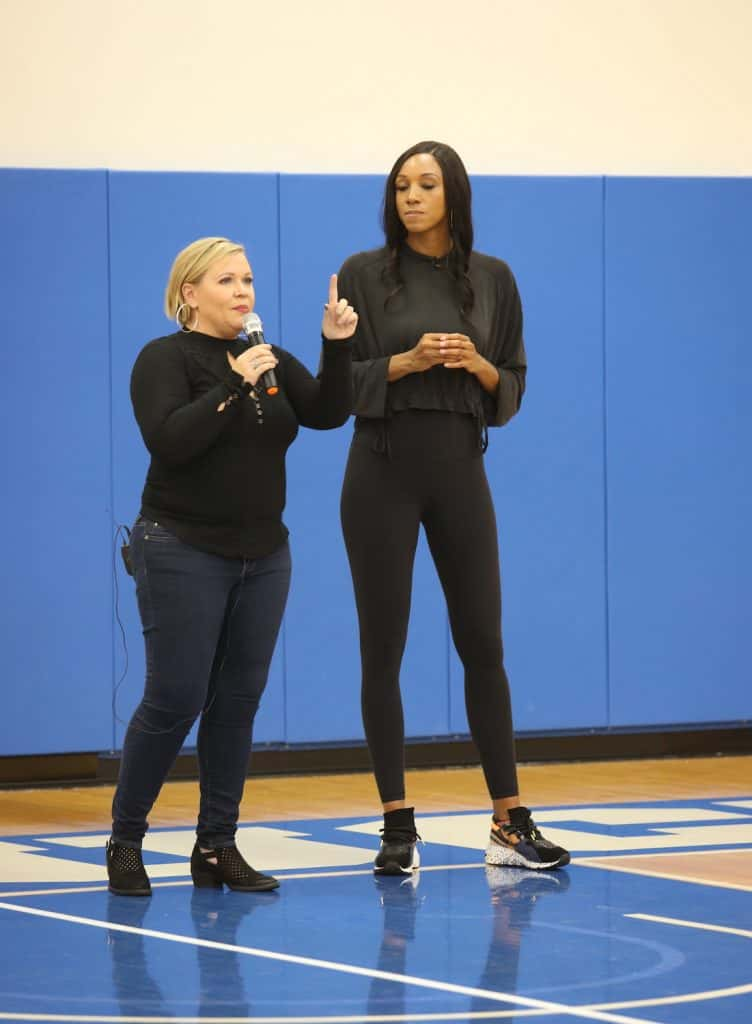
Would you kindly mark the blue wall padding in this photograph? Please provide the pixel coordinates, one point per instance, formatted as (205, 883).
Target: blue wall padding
(323, 220)
(679, 365)
(546, 466)
(55, 515)
(152, 217)
(623, 489)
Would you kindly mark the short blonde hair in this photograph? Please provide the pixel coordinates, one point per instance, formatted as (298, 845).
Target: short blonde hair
(189, 267)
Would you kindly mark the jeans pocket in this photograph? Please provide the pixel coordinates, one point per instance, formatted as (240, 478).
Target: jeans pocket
(155, 533)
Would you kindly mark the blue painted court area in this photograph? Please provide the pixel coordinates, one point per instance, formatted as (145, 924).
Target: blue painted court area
(600, 940)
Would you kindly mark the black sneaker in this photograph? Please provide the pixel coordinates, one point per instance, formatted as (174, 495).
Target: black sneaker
(125, 870)
(519, 844)
(397, 854)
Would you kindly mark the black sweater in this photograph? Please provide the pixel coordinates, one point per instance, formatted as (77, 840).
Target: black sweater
(217, 479)
(429, 302)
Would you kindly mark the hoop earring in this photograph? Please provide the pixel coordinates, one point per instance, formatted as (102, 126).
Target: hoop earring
(451, 220)
(184, 327)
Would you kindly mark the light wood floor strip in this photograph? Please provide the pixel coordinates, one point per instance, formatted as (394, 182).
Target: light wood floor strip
(279, 798)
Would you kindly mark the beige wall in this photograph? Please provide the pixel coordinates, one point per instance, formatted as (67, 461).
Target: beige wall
(527, 86)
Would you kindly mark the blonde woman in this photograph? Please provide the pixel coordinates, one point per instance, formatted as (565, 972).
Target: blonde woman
(209, 548)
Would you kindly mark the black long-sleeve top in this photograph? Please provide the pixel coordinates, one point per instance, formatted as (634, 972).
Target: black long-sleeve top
(217, 478)
(429, 302)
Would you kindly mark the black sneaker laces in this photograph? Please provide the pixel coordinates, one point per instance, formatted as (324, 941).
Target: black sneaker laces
(528, 830)
(399, 835)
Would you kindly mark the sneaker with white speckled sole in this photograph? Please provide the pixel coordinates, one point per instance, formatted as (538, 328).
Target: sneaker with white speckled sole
(518, 843)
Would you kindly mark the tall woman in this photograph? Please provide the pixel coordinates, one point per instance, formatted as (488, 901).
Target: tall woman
(209, 549)
(438, 357)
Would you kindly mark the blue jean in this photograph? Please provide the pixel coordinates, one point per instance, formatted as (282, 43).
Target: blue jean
(210, 626)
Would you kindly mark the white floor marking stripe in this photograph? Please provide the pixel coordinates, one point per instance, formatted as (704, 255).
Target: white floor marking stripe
(587, 862)
(665, 853)
(62, 891)
(690, 997)
(187, 881)
(692, 924)
(632, 1004)
(667, 875)
(328, 965)
(361, 1019)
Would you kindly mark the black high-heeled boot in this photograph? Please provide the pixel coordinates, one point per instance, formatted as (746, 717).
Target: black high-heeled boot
(125, 870)
(230, 870)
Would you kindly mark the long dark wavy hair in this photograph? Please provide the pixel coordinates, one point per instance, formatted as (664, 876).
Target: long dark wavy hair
(458, 196)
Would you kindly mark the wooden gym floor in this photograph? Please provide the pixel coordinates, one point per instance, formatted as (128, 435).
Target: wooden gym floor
(279, 798)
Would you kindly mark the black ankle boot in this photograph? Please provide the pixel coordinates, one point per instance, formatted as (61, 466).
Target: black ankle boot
(230, 870)
(125, 870)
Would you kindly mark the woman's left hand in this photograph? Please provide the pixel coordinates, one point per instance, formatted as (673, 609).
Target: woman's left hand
(460, 353)
(340, 319)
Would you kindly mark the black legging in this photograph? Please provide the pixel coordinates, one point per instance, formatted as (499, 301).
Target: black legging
(426, 467)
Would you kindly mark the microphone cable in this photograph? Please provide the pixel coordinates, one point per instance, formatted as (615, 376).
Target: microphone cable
(123, 534)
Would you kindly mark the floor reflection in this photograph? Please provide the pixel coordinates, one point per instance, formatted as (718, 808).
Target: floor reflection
(217, 916)
(399, 900)
(514, 894)
(135, 988)
(498, 907)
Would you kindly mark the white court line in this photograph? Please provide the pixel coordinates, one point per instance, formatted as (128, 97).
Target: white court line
(706, 995)
(360, 1019)
(328, 965)
(692, 924)
(599, 860)
(188, 881)
(667, 875)
(665, 853)
(689, 997)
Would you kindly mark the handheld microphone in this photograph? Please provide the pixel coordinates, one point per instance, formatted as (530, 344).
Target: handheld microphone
(254, 331)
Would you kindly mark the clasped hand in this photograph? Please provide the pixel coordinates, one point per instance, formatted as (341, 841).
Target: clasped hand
(454, 351)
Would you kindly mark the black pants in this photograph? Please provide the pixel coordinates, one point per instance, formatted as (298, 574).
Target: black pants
(425, 467)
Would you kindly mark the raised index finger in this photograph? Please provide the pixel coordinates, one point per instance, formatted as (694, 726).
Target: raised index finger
(333, 299)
